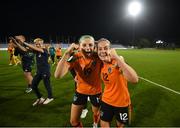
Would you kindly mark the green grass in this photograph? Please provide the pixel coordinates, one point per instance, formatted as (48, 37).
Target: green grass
(152, 105)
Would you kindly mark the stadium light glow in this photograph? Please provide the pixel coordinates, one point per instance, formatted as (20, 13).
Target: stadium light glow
(134, 8)
(159, 42)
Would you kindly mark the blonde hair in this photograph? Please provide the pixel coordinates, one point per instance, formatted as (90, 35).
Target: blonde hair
(38, 39)
(103, 39)
(86, 37)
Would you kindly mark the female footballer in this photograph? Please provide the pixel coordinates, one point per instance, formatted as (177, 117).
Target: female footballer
(87, 68)
(115, 74)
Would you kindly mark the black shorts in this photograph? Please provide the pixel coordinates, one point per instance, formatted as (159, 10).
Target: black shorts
(26, 67)
(122, 114)
(81, 99)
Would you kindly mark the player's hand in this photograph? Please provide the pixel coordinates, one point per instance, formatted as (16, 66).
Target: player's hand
(113, 53)
(13, 40)
(71, 48)
(19, 41)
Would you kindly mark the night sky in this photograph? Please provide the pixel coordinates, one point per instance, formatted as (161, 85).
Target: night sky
(159, 19)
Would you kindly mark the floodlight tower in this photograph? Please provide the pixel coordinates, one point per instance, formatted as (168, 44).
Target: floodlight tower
(134, 9)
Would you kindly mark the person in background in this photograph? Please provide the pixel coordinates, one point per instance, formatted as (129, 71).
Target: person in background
(11, 53)
(12, 58)
(42, 73)
(27, 57)
(52, 52)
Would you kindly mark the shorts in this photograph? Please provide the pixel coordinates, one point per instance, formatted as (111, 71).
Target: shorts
(81, 99)
(26, 68)
(122, 114)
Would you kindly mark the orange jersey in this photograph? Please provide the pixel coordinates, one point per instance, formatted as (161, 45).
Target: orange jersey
(116, 91)
(87, 74)
(58, 52)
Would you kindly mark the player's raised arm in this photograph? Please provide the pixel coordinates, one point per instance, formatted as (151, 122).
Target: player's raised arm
(15, 42)
(38, 45)
(128, 71)
(62, 67)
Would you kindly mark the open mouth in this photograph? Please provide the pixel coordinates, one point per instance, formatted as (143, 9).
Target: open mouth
(87, 53)
(103, 54)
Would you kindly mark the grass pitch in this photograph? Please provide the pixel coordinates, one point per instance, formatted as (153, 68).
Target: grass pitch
(152, 105)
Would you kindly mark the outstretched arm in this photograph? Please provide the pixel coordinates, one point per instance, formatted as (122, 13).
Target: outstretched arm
(33, 47)
(17, 44)
(128, 71)
(62, 67)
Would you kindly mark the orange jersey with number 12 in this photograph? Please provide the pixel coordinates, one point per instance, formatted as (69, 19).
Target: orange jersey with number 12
(116, 91)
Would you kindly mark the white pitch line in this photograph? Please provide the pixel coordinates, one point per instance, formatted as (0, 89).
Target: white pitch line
(159, 85)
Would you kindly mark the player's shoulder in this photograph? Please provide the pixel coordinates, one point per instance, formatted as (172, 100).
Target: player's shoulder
(78, 55)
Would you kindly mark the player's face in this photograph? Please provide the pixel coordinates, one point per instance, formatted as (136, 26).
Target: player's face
(104, 51)
(39, 44)
(87, 47)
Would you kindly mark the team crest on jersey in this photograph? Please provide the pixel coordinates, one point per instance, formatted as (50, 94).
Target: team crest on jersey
(109, 70)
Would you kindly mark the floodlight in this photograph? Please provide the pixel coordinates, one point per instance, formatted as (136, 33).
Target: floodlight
(134, 8)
